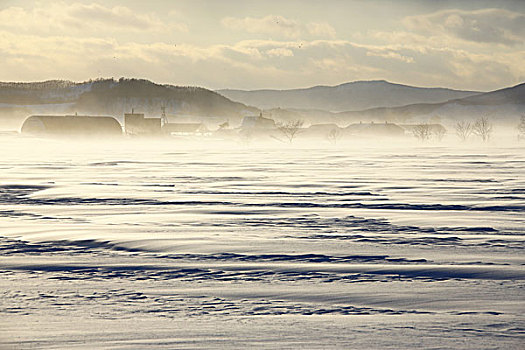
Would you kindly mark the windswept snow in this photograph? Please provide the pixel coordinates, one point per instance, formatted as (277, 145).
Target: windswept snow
(131, 245)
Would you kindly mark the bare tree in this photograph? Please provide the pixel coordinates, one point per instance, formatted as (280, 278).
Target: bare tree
(290, 129)
(422, 131)
(521, 128)
(464, 130)
(224, 125)
(438, 132)
(334, 135)
(482, 128)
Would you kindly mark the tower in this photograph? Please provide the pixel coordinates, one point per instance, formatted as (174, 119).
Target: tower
(163, 116)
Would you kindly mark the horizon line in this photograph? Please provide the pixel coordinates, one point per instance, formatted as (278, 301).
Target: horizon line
(255, 89)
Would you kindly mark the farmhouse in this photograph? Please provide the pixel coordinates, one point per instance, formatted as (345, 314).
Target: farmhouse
(183, 129)
(137, 124)
(375, 129)
(258, 122)
(320, 130)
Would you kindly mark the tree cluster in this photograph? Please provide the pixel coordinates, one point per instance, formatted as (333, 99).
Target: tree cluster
(290, 129)
(521, 128)
(481, 127)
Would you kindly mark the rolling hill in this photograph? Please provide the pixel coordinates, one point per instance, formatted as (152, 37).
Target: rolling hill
(352, 96)
(504, 106)
(116, 97)
(112, 97)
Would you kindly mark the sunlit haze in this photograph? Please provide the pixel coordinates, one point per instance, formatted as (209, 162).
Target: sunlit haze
(471, 45)
(242, 174)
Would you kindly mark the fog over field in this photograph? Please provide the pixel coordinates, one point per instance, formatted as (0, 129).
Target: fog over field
(245, 174)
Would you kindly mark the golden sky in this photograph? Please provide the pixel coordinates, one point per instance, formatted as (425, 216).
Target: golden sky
(476, 45)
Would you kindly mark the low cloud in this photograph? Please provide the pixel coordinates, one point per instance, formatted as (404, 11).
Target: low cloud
(481, 26)
(70, 17)
(280, 52)
(118, 16)
(279, 26)
(321, 29)
(386, 53)
(250, 63)
(273, 25)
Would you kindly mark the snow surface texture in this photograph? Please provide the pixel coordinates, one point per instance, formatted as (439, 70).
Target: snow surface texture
(134, 245)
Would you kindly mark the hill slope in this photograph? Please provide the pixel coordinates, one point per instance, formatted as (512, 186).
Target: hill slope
(112, 97)
(503, 105)
(353, 96)
(510, 95)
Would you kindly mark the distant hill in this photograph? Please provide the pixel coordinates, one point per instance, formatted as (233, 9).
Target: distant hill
(352, 96)
(504, 106)
(510, 95)
(113, 97)
(116, 97)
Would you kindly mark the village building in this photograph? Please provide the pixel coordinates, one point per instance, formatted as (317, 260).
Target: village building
(257, 122)
(375, 129)
(185, 129)
(136, 124)
(257, 127)
(320, 130)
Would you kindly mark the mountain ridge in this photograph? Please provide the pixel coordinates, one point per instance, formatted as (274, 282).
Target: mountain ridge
(505, 105)
(114, 97)
(350, 96)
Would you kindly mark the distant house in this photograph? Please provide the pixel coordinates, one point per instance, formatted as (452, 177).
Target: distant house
(185, 129)
(71, 125)
(320, 130)
(258, 122)
(375, 129)
(137, 124)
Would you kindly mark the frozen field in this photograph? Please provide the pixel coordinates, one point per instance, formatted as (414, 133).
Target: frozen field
(128, 245)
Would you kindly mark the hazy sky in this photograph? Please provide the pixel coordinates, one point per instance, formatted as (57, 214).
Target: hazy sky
(478, 45)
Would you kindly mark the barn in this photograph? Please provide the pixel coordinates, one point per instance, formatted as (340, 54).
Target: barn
(71, 125)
